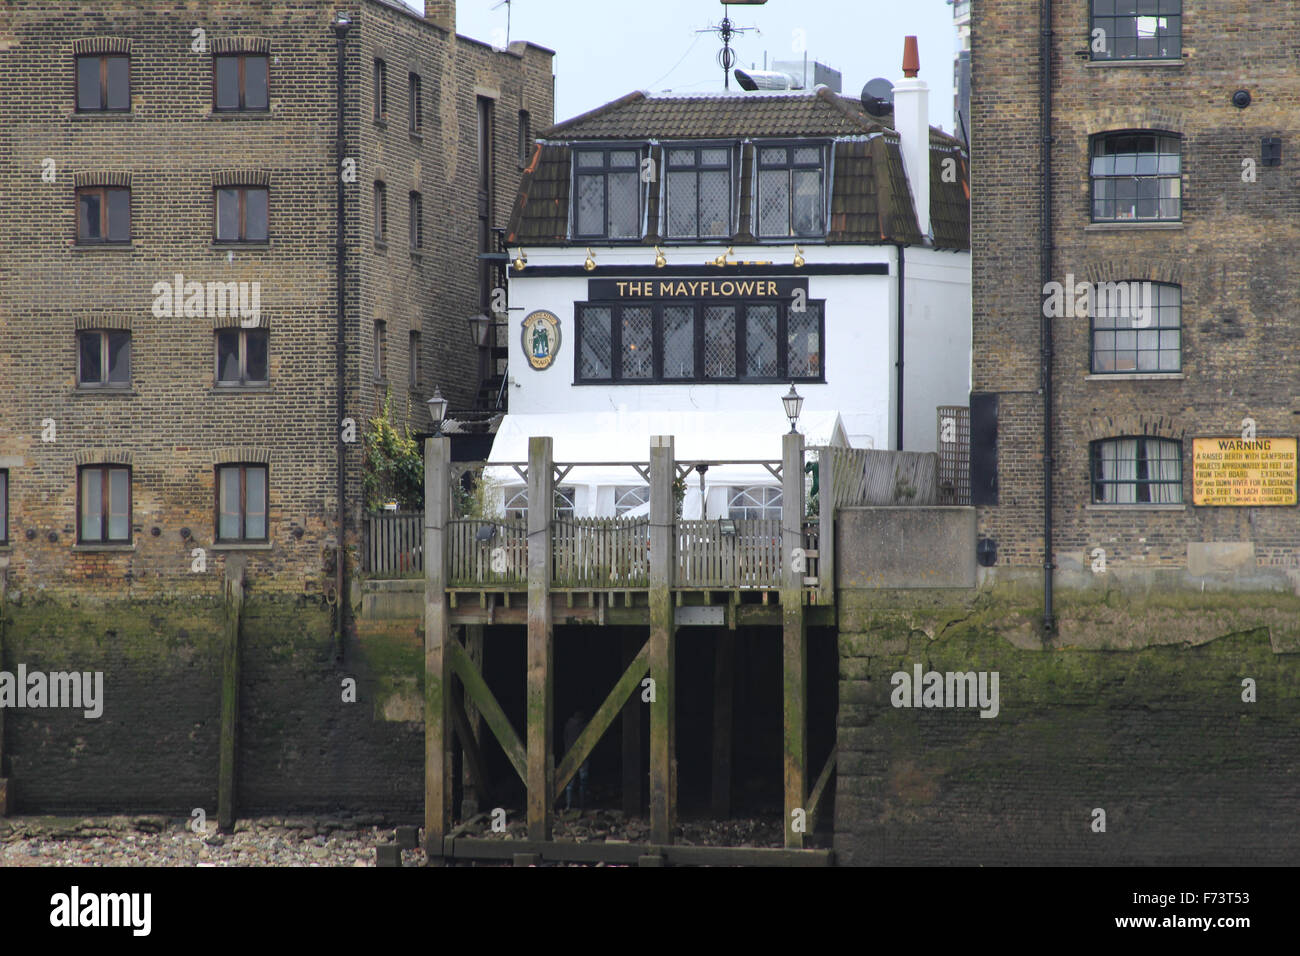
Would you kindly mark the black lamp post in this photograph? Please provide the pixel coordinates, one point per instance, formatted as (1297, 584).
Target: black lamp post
(437, 411)
(793, 403)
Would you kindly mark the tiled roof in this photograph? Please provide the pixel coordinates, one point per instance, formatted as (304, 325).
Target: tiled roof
(870, 201)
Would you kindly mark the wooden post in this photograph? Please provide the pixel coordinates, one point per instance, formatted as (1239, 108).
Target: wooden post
(663, 722)
(541, 650)
(633, 774)
(723, 686)
(826, 480)
(472, 799)
(794, 645)
(233, 587)
(437, 637)
(6, 795)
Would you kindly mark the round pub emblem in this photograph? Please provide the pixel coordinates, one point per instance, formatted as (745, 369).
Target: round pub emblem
(541, 338)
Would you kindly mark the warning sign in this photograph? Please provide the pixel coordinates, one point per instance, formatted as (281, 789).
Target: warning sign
(1237, 472)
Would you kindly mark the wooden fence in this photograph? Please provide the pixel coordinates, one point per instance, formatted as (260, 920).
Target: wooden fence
(487, 553)
(394, 543)
(812, 550)
(749, 558)
(868, 476)
(601, 553)
(954, 454)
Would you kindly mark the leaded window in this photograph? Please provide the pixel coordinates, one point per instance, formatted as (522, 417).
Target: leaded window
(1136, 176)
(699, 192)
(607, 194)
(1137, 327)
(791, 191)
(1137, 470)
(1136, 29)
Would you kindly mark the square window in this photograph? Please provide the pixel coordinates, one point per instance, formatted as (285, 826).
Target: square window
(242, 357)
(242, 214)
(240, 82)
(104, 359)
(103, 83)
(103, 215)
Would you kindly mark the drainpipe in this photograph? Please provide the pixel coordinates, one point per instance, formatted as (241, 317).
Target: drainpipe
(1045, 324)
(902, 261)
(342, 22)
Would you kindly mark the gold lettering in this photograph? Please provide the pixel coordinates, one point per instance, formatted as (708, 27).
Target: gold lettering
(665, 288)
(771, 288)
(728, 289)
(745, 288)
(622, 286)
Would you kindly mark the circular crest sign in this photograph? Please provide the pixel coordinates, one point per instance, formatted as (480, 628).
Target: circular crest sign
(541, 338)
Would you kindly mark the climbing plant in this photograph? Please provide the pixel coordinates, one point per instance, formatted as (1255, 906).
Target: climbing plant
(393, 468)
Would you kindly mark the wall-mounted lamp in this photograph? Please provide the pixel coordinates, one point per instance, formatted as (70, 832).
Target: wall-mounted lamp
(660, 261)
(342, 23)
(521, 261)
(591, 260)
(479, 326)
(798, 258)
(793, 403)
(437, 410)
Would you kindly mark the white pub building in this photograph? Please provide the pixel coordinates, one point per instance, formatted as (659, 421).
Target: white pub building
(678, 262)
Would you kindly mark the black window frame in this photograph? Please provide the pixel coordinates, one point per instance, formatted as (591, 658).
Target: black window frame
(1102, 15)
(242, 59)
(242, 192)
(1098, 139)
(1094, 331)
(103, 383)
(4, 507)
(697, 168)
(105, 229)
(1142, 481)
(243, 537)
(415, 212)
(244, 380)
(105, 487)
(699, 376)
(380, 76)
(604, 171)
(790, 165)
(103, 59)
(414, 103)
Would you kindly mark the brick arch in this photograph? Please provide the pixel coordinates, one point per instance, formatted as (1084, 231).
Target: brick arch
(1147, 268)
(1117, 118)
(241, 454)
(1131, 424)
(91, 45)
(103, 456)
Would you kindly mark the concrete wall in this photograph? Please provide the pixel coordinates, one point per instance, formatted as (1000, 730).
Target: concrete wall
(898, 547)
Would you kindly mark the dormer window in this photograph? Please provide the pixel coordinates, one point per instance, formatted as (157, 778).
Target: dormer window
(607, 194)
(791, 190)
(699, 192)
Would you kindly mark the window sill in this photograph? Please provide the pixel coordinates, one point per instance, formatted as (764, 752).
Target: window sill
(381, 246)
(234, 246)
(240, 389)
(417, 255)
(1125, 226)
(90, 548)
(1162, 62)
(416, 137)
(102, 246)
(1135, 377)
(88, 391)
(381, 121)
(1135, 507)
(238, 546)
(118, 115)
(240, 114)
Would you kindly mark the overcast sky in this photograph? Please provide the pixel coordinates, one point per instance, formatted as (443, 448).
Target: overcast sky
(606, 48)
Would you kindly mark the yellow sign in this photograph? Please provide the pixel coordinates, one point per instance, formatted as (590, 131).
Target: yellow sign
(540, 338)
(1236, 472)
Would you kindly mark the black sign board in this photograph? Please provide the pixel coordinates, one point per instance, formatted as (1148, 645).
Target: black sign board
(667, 287)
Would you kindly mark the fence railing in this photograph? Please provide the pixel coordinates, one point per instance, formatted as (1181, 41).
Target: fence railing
(601, 553)
(481, 552)
(866, 476)
(812, 550)
(394, 543)
(709, 556)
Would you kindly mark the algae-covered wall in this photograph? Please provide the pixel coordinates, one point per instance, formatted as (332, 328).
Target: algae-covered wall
(1135, 708)
(301, 746)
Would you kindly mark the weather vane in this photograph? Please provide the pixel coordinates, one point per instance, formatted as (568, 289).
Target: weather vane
(725, 31)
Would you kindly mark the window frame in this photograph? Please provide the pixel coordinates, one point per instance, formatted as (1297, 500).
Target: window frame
(790, 166)
(103, 82)
(242, 192)
(1094, 17)
(525, 138)
(565, 497)
(577, 171)
(695, 167)
(415, 224)
(414, 103)
(104, 212)
(773, 499)
(1097, 483)
(699, 377)
(241, 74)
(380, 211)
(244, 380)
(1094, 331)
(104, 384)
(413, 358)
(642, 492)
(379, 347)
(1093, 178)
(243, 537)
(105, 514)
(380, 91)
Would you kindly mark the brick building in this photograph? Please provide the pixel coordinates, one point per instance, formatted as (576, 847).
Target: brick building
(168, 219)
(1159, 177)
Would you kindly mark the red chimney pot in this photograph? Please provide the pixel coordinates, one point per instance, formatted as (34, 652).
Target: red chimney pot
(911, 57)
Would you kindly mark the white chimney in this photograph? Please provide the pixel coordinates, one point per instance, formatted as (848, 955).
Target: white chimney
(912, 121)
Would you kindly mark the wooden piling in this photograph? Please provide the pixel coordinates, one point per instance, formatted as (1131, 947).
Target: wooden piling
(826, 483)
(723, 698)
(633, 772)
(6, 793)
(473, 798)
(794, 643)
(437, 637)
(233, 593)
(541, 649)
(663, 722)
